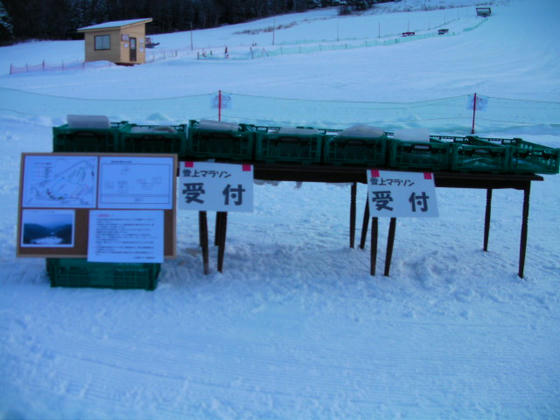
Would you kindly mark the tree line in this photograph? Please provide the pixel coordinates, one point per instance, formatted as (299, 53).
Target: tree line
(59, 19)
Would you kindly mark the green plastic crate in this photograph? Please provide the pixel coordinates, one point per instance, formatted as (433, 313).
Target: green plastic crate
(342, 149)
(154, 139)
(289, 145)
(78, 272)
(103, 140)
(216, 140)
(527, 157)
(467, 157)
(433, 155)
(475, 154)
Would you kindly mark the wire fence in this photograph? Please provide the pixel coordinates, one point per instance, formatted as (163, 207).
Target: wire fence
(164, 54)
(151, 57)
(450, 115)
(254, 51)
(310, 47)
(62, 66)
(305, 47)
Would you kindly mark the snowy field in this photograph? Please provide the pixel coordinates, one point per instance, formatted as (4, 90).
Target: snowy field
(295, 327)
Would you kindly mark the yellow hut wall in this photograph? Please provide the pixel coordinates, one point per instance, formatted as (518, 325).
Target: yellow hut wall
(113, 54)
(120, 44)
(138, 32)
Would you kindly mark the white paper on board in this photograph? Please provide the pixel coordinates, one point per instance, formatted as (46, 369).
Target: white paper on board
(126, 236)
(51, 181)
(127, 182)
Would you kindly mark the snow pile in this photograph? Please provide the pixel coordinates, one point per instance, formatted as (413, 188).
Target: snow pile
(88, 121)
(217, 125)
(413, 134)
(363, 131)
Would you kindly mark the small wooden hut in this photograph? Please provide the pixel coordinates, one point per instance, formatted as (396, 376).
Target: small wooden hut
(121, 41)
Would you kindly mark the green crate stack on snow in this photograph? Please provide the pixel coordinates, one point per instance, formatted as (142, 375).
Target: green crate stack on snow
(527, 157)
(299, 145)
(220, 140)
(78, 272)
(135, 138)
(359, 145)
(472, 154)
(88, 133)
(415, 149)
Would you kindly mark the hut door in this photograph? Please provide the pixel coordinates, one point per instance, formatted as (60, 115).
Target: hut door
(132, 49)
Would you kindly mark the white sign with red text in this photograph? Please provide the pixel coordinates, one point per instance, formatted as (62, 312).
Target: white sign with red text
(401, 194)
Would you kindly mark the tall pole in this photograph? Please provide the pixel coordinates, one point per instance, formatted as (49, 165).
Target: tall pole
(337, 30)
(273, 30)
(192, 48)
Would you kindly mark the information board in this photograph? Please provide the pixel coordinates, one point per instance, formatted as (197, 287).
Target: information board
(62, 195)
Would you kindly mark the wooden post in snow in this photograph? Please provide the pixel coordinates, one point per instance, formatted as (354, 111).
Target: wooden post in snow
(473, 113)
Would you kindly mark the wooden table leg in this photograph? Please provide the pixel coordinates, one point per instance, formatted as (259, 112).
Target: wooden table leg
(524, 227)
(203, 237)
(222, 239)
(353, 214)
(217, 230)
(390, 243)
(365, 222)
(487, 217)
(373, 255)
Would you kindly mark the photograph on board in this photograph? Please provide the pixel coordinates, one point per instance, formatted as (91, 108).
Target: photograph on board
(47, 228)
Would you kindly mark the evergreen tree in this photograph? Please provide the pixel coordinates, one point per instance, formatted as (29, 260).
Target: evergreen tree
(59, 19)
(6, 27)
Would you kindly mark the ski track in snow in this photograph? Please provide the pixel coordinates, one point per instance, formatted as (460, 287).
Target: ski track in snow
(295, 327)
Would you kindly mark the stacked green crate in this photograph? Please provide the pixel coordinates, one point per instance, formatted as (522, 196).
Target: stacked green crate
(472, 154)
(289, 145)
(67, 138)
(358, 145)
(527, 157)
(136, 138)
(432, 155)
(219, 140)
(78, 272)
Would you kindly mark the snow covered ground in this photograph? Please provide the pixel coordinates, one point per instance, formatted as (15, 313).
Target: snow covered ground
(296, 327)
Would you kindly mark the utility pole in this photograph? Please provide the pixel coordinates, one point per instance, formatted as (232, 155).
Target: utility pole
(337, 31)
(192, 48)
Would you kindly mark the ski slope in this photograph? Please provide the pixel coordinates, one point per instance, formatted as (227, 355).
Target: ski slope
(295, 327)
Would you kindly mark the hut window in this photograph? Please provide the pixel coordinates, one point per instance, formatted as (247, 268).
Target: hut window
(103, 42)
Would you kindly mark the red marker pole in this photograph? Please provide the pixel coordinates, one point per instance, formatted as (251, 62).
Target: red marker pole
(473, 113)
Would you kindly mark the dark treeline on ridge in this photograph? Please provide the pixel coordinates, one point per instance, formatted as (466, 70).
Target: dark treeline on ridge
(59, 19)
